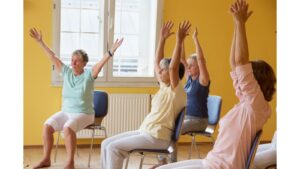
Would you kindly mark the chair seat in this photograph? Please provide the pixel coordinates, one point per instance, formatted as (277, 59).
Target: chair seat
(94, 126)
(141, 151)
(199, 133)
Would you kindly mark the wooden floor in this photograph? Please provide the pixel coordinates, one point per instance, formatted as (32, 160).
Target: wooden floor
(33, 155)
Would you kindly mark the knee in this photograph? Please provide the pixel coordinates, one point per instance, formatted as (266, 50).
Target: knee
(48, 129)
(68, 131)
(112, 147)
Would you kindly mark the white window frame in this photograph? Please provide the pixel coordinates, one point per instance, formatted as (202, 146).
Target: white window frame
(107, 80)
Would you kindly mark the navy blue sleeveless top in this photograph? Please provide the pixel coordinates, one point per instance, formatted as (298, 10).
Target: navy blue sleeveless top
(196, 98)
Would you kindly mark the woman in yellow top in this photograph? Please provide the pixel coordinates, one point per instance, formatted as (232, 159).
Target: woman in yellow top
(156, 129)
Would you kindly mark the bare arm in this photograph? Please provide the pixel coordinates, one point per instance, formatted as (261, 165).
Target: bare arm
(204, 76)
(98, 66)
(232, 50)
(183, 60)
(51, 55)
(165, 32)
(241, 14)
(175, 61)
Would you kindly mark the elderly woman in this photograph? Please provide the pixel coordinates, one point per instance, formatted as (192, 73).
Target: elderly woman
(77, 108)
(156, 130)
(254, 83)
(197, 90)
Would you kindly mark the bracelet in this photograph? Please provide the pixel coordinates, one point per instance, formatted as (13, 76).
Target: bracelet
(110, 54)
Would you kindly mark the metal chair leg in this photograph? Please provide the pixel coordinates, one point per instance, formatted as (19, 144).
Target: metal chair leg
(105, 134)
(91, 148)
(77, 153)
(141, 162)
(196, 147)
(190, 152)
(127, 161)
(56, 147)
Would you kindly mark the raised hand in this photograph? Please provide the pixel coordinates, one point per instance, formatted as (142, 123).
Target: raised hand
(239, 10)
(165, 31)
(36, 35)
(117, 44)
(183, 30)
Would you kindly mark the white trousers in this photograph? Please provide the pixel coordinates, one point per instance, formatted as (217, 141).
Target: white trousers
(187, 164)
(265, 156)
(115, 149)
(75, 121)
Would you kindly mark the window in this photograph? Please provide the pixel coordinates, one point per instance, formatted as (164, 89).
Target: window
(93, 25)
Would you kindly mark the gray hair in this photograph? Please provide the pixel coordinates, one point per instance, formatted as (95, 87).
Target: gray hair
(164, 63)
(193, 56)
(81, 53)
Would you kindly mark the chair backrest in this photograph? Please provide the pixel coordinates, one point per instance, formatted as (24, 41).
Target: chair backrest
(178, 125)
(100, 103)
(253, 149)
(214, 104)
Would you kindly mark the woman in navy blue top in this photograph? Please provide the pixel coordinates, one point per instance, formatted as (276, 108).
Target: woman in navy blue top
(197, 89)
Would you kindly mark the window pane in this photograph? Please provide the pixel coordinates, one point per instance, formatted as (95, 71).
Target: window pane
(90, 43)
(90, 4)
(70, 3)
(133, 22)
(70, 20)
(69, 42)
(81, 29)
(90, 21)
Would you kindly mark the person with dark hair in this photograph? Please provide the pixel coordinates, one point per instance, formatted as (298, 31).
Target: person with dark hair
(156, 129)
(77, 93)
(254, 85)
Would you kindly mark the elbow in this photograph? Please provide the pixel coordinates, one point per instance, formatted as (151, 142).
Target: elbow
(172, 68)
(241, 61)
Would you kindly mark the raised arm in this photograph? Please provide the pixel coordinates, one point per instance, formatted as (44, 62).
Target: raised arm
(204, 75)
(240, 14)
(165, 32)
(183, 60)
(232, 50)
(39, 39)
(98, 66)
(175, 61)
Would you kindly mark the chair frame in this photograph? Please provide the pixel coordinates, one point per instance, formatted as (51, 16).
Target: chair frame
(167, 151)
(208, 132)
(254, 145)
(94, 126)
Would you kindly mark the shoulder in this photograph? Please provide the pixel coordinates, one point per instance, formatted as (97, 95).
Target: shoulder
(88, 74)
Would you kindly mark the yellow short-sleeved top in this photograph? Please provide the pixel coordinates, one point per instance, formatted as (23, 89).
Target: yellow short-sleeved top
(165, 106)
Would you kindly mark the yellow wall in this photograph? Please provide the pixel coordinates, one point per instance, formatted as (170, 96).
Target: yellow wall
(215, 31)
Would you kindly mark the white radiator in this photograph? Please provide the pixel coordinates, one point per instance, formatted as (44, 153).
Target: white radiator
(125, 112)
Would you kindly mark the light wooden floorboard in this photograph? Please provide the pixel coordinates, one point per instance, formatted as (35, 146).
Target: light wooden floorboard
(33, 155)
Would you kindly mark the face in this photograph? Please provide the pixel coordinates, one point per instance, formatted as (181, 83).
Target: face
(164, 73)
(193, 69)
(77, 63)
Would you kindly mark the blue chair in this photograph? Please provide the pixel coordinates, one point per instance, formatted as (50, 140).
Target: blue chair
(214, 104)
(254, 145)
(100, 108)
(174, 139)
